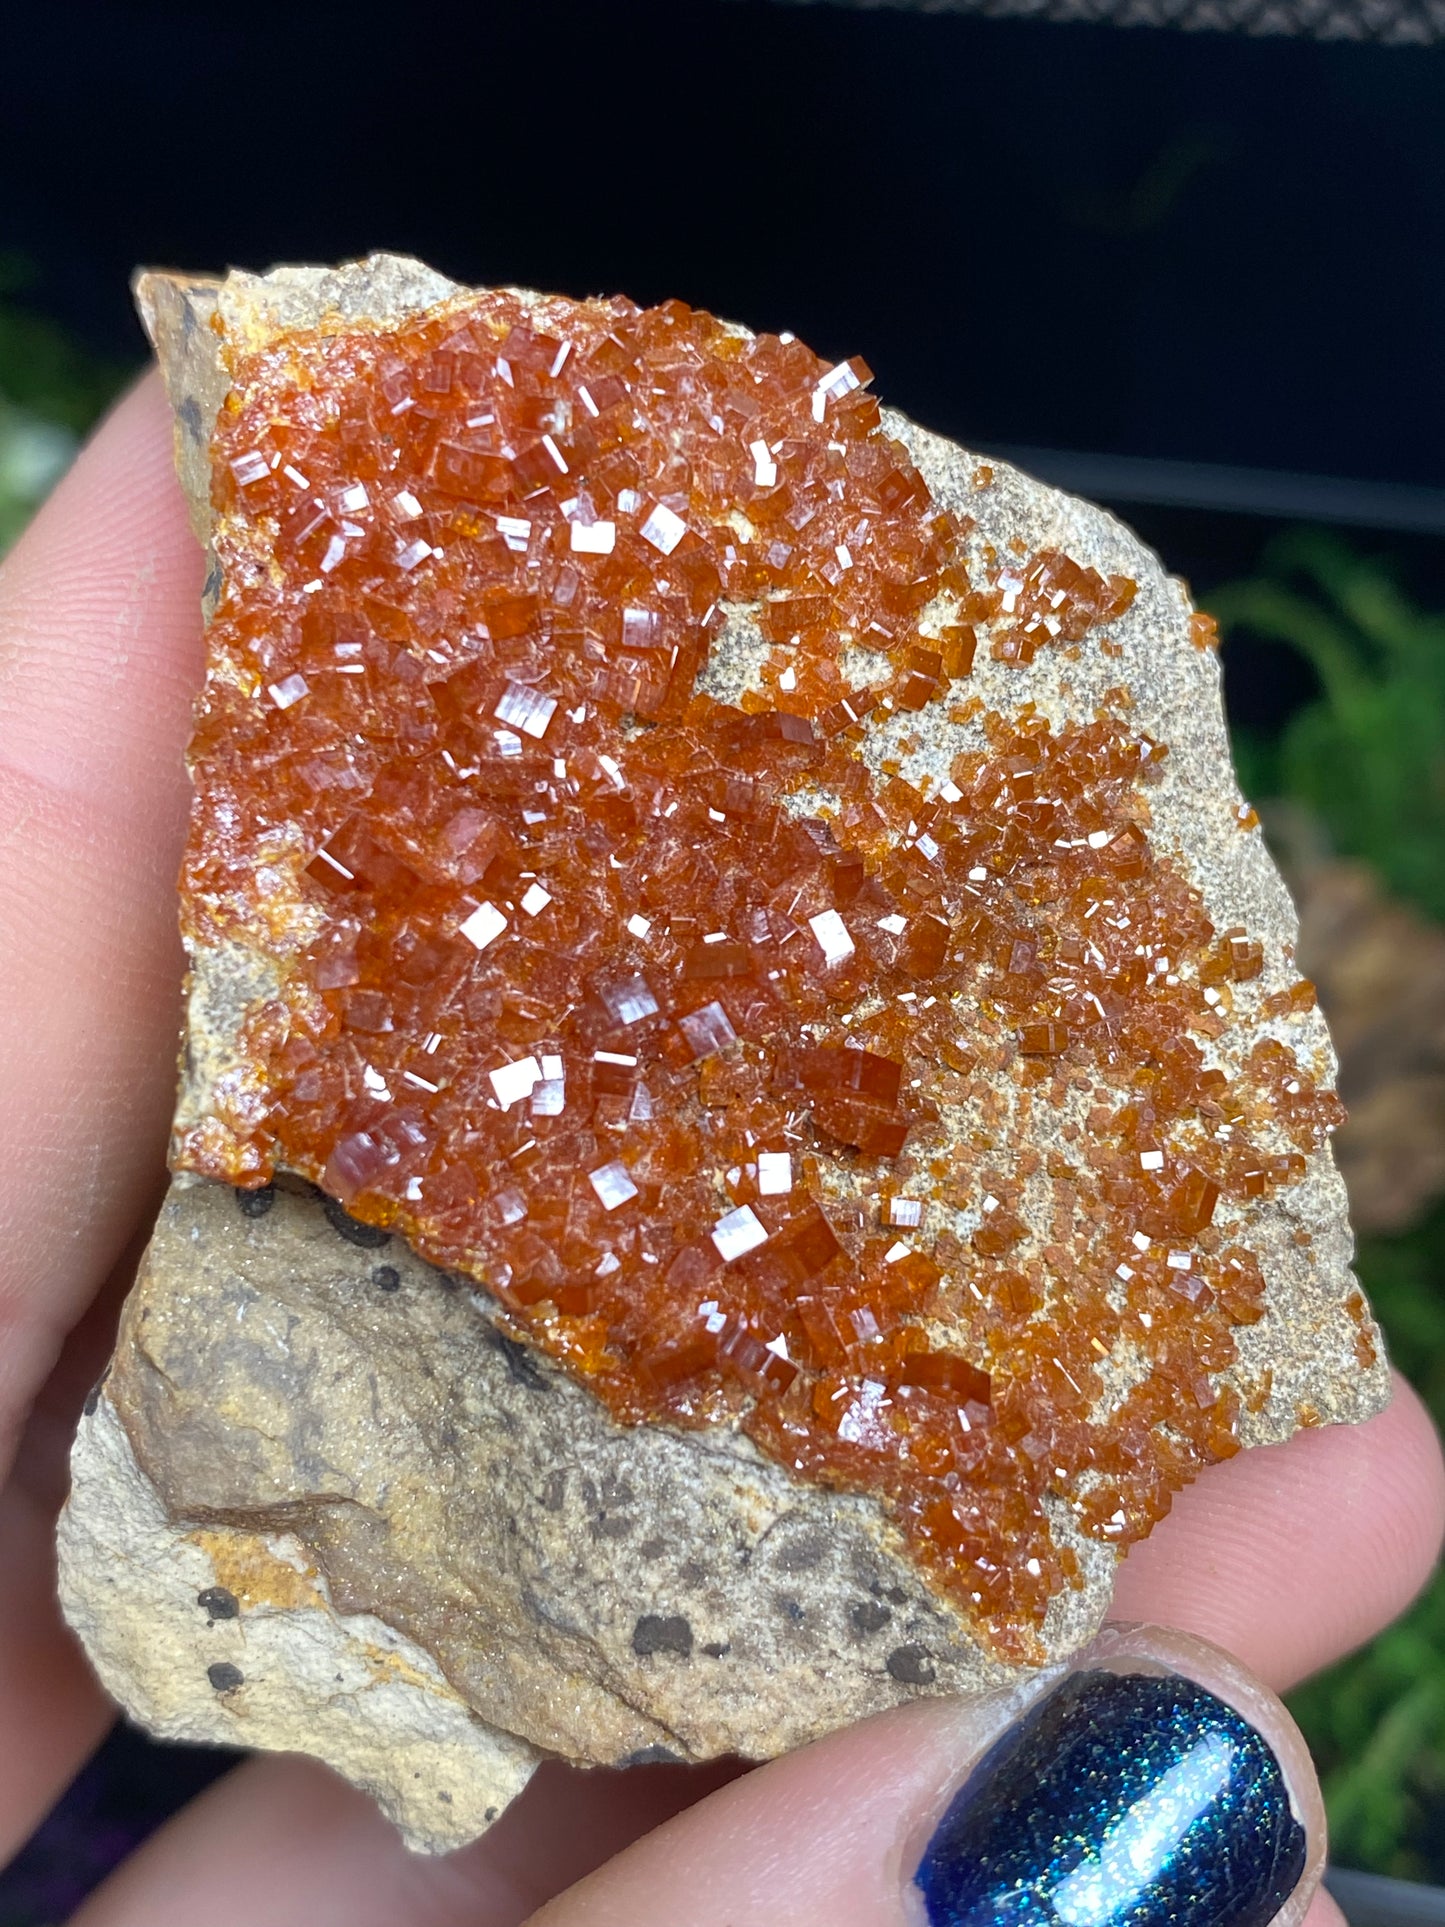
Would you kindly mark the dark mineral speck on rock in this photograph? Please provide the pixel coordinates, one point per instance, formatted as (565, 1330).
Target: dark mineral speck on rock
(655, 1633)
(368, 1237)
(912, 1666)
(520, 1361)
(868, 1616)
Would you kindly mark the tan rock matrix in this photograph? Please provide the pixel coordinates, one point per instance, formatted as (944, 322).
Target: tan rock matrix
(748, 1117)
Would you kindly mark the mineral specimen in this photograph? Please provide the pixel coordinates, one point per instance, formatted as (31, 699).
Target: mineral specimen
(759, 895)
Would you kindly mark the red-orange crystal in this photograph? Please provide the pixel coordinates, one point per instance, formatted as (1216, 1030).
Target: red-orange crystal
(657, 1014)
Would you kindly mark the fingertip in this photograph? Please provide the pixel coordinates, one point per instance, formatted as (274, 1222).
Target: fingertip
(1291, 1555)
(134, 435)
(100, 661)
(124, 471)
(1325, 1911)
(916, 1814)
(1407, 1442)
(100, 622)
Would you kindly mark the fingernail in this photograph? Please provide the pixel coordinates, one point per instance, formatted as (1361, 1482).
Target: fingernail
(1122, 1799)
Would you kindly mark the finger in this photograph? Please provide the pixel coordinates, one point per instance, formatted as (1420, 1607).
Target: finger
(52, 1709)
(99, 660)
(289, 1826)
(833, 1834)
(918, 1816)
(1292, 1555)
(1324, 1911)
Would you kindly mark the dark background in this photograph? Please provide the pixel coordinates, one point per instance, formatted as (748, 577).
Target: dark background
(1199, 246)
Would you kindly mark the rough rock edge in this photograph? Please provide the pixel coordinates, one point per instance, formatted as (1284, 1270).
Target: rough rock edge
(178, 310)
(293, 1674)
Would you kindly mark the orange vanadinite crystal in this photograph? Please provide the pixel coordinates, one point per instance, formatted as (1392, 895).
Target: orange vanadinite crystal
(658, 1013)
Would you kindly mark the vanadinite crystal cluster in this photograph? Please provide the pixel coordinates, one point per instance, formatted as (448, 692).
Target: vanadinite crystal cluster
(563, 749)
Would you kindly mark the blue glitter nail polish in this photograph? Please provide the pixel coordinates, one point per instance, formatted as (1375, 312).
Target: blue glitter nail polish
(1121, 1800)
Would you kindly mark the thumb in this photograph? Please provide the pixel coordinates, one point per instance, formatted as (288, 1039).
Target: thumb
(1154, 1782)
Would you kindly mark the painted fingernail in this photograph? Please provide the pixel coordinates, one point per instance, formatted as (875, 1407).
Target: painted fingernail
(1120, 1800)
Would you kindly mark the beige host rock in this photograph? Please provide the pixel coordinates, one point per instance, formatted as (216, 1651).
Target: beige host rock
(324, 1503)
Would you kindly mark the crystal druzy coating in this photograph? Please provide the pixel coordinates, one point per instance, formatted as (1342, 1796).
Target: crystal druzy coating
(618, 969)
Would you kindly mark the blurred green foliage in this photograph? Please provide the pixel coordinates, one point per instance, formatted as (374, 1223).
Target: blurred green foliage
(32, 455)
(1376, 1722)
(51, 390)
(1367, 756)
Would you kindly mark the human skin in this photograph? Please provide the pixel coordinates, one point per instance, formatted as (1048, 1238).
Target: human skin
(1287, 1556)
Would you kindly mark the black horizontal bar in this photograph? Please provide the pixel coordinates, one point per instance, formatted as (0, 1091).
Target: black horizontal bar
(1399, 23)
(1239, 491)
(1374, 1900)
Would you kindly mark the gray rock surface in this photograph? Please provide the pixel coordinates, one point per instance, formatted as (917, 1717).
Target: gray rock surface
(597, 1591)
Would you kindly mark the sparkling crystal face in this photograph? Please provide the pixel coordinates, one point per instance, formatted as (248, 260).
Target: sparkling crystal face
(620, 967)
